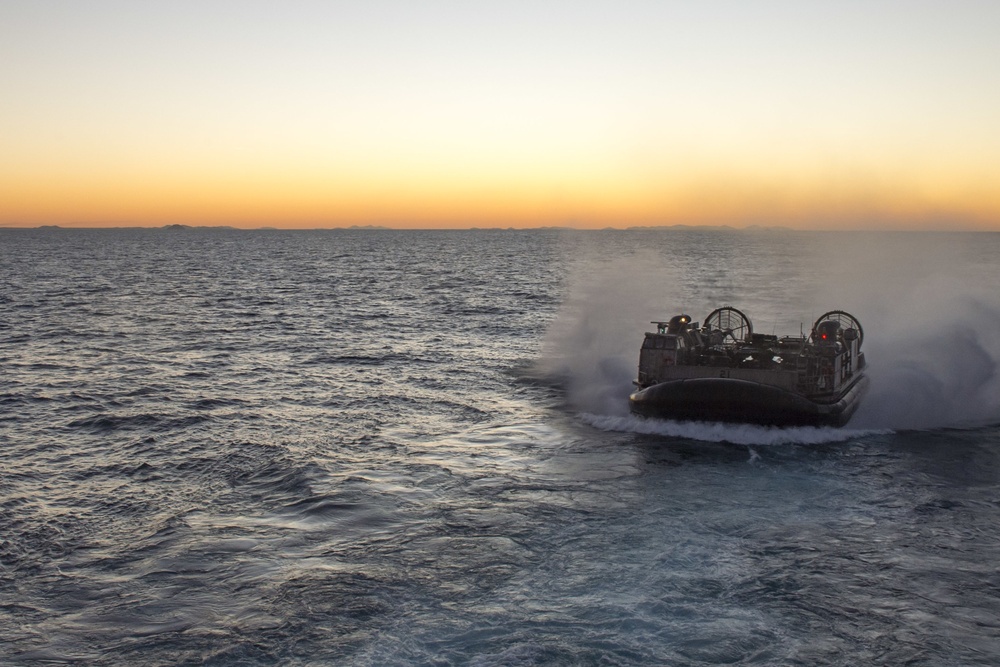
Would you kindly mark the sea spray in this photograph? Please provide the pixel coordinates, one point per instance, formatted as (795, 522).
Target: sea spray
(738, 434)
(931, 321)
(937, 367)
(592, 344)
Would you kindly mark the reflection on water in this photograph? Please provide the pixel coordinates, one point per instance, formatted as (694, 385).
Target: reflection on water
(392, 448)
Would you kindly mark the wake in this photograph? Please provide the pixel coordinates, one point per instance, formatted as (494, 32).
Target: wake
(738, 434)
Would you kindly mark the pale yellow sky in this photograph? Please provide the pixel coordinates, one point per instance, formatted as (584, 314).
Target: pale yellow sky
(457, 114)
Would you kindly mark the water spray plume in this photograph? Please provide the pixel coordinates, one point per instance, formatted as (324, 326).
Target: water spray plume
(931, 319)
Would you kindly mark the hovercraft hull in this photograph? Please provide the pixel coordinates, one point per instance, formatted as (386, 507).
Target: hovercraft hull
(745, 401)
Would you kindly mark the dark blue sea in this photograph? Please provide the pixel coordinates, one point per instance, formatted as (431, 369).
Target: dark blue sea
(375, 447)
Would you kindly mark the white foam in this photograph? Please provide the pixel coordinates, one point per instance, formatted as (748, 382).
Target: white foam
(740, 434)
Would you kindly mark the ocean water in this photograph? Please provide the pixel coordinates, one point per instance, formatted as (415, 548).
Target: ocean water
(371, 447)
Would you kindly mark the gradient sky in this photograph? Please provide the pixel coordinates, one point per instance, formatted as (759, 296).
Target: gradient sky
(456, 114)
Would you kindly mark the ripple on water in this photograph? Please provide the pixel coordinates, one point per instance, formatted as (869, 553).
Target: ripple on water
(266, 447)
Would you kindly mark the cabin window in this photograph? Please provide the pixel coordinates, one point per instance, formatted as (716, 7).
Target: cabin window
(653, 342)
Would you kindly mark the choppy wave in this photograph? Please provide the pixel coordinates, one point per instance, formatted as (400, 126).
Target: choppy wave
(258, 448)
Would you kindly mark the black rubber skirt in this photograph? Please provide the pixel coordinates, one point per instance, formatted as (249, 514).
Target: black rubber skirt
(742, 401)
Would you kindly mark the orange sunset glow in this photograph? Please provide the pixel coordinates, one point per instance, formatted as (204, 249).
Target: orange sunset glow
(584, 115)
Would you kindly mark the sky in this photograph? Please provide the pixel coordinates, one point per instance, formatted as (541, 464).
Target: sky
(813, 115)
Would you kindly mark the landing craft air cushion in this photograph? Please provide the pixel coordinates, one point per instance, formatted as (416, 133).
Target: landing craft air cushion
(723, 371)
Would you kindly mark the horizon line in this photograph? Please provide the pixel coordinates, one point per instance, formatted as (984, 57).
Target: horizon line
(556, 227)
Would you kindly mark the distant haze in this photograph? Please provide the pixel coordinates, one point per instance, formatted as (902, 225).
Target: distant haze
(448, 114)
